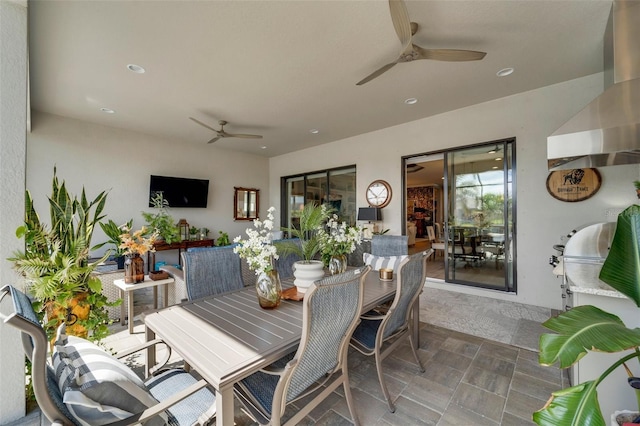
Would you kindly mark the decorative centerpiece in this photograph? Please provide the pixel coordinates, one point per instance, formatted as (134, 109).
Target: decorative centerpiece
(260, 253)
(134, 245)
(337, 240)
(308, 270)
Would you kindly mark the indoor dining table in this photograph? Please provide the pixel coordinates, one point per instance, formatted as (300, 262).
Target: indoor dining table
(228, 337)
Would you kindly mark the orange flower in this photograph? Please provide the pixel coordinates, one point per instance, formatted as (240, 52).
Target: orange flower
(138, 243)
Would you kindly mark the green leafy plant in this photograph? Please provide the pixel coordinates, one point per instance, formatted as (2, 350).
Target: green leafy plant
(113, 231)
(311, 220)
(161, 220)
(194, 232)
(55, 263)
(223, 239)
(585, 328)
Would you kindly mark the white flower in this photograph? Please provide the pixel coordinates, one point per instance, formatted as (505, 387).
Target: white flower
(257, 249)
(338, 238)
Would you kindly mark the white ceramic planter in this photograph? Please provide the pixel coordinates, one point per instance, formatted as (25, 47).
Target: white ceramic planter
(306, 273)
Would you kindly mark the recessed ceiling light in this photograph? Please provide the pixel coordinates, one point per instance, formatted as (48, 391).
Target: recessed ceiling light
(263, 147)
(410, 101)
(494, 167)
(314, 131)
(498, 158)
(504, 72)
(136, 68)
(107, 110)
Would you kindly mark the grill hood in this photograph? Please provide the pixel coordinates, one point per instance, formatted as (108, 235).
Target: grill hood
(607, 131)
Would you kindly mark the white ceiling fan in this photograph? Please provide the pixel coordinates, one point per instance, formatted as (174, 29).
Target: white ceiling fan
(220, 133)
(411, 52)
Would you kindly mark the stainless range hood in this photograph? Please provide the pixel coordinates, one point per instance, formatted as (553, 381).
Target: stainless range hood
(607, 131)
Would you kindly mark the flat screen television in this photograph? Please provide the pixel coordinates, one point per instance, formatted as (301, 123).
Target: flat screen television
(180, 192)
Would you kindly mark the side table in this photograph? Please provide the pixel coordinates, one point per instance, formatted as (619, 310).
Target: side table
(127, 289)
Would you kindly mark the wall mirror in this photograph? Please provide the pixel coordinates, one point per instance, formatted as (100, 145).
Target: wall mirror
(246, 203)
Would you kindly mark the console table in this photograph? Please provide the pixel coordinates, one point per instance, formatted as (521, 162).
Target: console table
(178, 245)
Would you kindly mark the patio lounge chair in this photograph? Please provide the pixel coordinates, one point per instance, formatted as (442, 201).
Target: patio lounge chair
(89, 386)
(379, 334)
(330, 313)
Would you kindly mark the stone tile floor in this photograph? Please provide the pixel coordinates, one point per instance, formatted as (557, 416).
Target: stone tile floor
(468, 380)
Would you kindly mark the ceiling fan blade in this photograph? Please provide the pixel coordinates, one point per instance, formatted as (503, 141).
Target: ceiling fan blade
(203, 124)
(240, 135)
(214, 139)
(401, 23)
(450, 55)
(376, 74)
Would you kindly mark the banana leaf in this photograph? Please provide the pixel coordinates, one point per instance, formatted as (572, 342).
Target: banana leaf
(574, 406)
(581, 329)
(621, 269)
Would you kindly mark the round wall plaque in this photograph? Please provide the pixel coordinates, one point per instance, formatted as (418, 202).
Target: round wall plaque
(574, 184)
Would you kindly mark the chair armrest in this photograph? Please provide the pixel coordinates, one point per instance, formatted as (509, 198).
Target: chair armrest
(159, 365)
(371, 316)
(162, 406)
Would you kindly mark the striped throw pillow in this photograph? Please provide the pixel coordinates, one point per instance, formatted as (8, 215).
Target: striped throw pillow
(383, 262)
(97, 388)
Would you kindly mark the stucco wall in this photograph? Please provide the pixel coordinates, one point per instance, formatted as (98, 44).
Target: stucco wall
(13, 116)
(121, 161)
(529, 117)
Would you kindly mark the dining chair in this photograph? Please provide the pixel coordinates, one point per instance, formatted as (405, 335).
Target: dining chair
(284, 263)
(83, 384)
(380, 333)
(389, 245)
(211, 270)
(331, 310)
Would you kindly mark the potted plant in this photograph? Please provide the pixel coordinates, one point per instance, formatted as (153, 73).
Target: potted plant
(133, 245)
(55, 263)
(114, 231)
(586, 328)
(194, 232)
(337, 240)
(260, 253)
(223, 239)
(636, 183)
(162, 220)
(307, 270)
(204, 232)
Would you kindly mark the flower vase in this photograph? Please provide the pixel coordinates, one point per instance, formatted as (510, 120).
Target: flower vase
(133, 269)
(269, 289)
(338, 264)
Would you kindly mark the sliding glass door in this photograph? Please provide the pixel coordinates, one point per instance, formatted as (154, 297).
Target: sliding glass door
(479, 217)
(335, 187)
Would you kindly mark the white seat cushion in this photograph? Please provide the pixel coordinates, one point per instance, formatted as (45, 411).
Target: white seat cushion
(382, 262)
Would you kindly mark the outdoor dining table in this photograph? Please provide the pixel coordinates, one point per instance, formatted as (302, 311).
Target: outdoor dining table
(228, 337)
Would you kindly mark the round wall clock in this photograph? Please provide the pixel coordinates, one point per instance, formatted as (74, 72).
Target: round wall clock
(378, 193)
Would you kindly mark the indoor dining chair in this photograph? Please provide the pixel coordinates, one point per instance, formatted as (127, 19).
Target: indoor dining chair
(82, 384)
(331, 310)
(380, 333)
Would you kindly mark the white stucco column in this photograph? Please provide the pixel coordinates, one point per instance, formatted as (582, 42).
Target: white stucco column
(13, 143)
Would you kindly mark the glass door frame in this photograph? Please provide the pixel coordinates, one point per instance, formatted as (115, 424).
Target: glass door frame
(509, 212)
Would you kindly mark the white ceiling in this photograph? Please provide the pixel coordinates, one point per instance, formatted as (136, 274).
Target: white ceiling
(281, 68)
